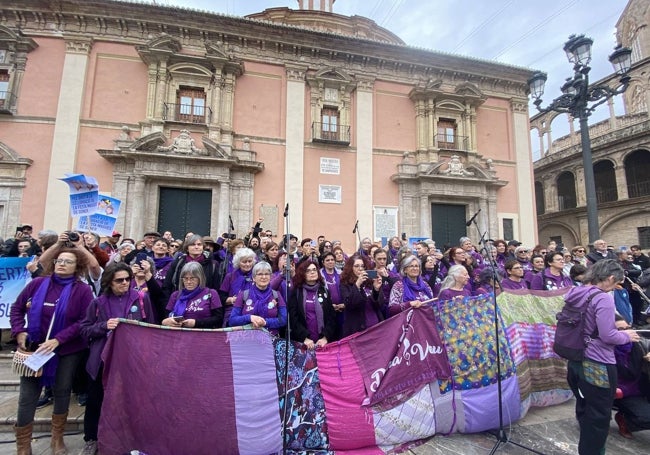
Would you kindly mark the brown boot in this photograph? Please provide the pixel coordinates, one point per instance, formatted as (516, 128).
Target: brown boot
(58, 427)
(24, 439)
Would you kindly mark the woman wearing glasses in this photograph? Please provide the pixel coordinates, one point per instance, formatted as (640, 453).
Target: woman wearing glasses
(312, 316)
(579, 254)
(361, 295)
(411, 290)
(514, 276)
(193, 253)
(260, 305)
(552, 277)
(118, 300)
(194, 305)
(46, 318)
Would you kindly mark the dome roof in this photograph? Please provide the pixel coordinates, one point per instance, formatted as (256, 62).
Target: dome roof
(355, 26)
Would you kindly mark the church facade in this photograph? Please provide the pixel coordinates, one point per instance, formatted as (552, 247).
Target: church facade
(194, 118)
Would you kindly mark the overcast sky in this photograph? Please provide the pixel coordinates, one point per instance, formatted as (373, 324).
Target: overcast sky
(520, 32)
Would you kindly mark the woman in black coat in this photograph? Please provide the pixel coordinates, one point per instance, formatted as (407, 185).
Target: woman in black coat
(311, 314)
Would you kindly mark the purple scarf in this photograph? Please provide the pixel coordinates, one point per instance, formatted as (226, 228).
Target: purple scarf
(318, 306)
(239, 281)
(36, 312)
(183, 299)
(162, 262)
(261, 299)
(412, 289)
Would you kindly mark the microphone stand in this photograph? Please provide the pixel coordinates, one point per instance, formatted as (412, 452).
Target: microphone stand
(287, 338)
(356, 229)
(500, 434)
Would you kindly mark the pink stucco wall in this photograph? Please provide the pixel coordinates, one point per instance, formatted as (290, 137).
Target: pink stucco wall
(39, 93)
(116, 84)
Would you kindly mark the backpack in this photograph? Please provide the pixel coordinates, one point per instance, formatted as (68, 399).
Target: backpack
(570, 340)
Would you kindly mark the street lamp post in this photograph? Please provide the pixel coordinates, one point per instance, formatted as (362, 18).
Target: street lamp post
(579, 100)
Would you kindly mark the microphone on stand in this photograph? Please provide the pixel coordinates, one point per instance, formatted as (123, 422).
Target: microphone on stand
(356, 227)
(286, 210)
(232, 226)
(473, 218)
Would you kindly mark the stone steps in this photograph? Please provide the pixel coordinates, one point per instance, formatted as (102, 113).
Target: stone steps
(9, 385)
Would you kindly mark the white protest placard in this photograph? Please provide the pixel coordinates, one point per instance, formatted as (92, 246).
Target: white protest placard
(84, 194)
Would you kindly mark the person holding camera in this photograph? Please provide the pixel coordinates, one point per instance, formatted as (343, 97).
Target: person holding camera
(118, 300)
(361, 295)
(53, 306)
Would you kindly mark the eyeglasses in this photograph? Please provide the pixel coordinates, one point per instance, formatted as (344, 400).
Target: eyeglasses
(122, 280)
(64, 262)
(173, 245)
(311, 269)
(413, 266)
(522, 251)
(265, 273)
(189, 278)
(580, 251)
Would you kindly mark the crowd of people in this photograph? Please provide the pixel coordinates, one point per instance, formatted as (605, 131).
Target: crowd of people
(82, 287)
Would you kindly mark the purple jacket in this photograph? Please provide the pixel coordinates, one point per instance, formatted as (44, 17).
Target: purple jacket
(103, 308)
(69, 338)
(599, 314)
(546, 281)
(507, 283)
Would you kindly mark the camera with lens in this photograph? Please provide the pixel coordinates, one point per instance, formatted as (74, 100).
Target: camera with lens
(225, 235)
(73, 236)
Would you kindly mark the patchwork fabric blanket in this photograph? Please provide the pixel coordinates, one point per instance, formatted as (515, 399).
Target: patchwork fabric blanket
(423, 372)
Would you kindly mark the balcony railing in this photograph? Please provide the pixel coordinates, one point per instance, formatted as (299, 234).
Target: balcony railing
(566, 202)
(606, 195)
(6, 102)
(448, 142)
(638, 189)
(329, 133)
(187, 113)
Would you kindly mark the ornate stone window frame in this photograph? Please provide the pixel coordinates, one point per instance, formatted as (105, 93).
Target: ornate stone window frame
(16, 46)
(331, 88)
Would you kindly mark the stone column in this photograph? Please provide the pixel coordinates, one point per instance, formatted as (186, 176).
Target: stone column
(621, 180)
(161, 92)
(152, 75)
(66, 132)
(613, 122)
(424, 213)
(364, 130)
(136, 199)
(581, 197)
(295, 140)
(227, 108)
(224, 207)
(524, 181)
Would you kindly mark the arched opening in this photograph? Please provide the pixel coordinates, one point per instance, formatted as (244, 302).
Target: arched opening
(637, 173)
(539, 198)
(605, 180)
(566, 191)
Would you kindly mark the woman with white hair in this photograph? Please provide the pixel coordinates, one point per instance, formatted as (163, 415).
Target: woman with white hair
(411, 291)
(240, 279)
(194, 305)
(455, 283)
(259, 304)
